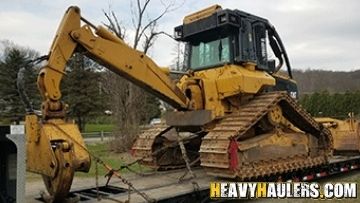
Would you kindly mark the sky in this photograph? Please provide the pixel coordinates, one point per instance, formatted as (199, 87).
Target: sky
(318, 34)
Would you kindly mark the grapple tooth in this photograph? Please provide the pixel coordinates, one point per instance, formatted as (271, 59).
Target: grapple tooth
(59, 186)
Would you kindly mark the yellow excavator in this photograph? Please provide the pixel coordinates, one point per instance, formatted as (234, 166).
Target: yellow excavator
(234, 110)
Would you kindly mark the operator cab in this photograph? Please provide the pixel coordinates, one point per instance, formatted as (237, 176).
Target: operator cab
(215, 37)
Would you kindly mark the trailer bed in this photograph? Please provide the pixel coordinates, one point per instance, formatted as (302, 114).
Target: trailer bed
(160, 186)
(166, 187)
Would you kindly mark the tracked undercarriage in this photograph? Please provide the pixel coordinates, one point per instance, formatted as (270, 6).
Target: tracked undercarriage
(269, 135)
(157, 147)
(235, 149)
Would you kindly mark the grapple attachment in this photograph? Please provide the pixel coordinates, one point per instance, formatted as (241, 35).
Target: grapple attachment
(55, 149)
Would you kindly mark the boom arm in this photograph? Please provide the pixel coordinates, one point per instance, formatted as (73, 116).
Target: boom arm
(108, 50)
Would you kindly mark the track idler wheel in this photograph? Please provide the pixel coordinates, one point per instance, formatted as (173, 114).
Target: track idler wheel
(275, 115)
(59, 186)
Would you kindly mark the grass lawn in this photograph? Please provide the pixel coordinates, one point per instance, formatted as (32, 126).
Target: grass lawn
(99, 127)
(114, 160)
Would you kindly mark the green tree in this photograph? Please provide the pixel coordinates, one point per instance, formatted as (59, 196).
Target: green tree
(13, 58)
(357, 103)
(325, 103)
(82, 90)
(337, 105)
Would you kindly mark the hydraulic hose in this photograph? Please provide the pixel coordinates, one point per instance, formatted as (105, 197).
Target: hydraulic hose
(279, 49)
(20, 82)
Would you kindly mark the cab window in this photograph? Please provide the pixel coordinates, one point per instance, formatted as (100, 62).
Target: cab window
(211, 53)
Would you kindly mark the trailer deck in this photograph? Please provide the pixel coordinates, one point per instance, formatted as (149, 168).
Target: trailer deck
(166, 187)
(160, 186)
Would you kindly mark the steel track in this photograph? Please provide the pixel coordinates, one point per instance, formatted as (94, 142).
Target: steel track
(214, 150)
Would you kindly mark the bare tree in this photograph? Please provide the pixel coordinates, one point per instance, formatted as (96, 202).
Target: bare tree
(178, 53)
(114, 24)
(133, 106)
